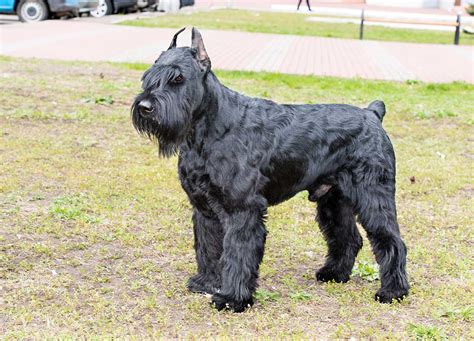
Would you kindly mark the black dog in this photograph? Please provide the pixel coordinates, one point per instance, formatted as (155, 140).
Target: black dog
(237, 155)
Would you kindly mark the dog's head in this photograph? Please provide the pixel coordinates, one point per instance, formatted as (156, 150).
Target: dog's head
(173, 90)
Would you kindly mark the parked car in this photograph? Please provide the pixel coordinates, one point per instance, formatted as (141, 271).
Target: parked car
(173, 5)
(184, 3)
(154, 5)
(107, 7)
(147, 5)
(37, 10)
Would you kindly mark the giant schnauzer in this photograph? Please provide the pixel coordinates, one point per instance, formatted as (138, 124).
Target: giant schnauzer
(238, 155)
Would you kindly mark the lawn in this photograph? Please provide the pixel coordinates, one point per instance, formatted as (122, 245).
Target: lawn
(293, 23)
(95, 230)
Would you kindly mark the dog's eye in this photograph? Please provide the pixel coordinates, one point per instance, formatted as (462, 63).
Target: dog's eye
(178, 79)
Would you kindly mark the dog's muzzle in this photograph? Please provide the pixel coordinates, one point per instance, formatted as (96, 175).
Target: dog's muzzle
(145, 108)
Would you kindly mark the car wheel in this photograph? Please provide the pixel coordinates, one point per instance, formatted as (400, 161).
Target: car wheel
(104, 8)
(32, 10)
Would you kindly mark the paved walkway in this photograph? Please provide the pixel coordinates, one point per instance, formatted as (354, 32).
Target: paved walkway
(89, 41)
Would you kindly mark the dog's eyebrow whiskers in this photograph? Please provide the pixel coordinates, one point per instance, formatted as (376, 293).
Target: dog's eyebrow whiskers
(156, 76)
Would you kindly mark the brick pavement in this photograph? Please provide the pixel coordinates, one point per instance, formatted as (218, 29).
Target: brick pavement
(89, 41)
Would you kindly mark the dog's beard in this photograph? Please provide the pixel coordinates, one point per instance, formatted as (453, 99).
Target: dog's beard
(168, 126)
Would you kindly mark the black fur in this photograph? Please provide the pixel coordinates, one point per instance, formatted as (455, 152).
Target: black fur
(238, 155)
(378, 107)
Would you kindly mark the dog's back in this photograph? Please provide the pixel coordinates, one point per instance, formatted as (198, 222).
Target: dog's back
(322, 144)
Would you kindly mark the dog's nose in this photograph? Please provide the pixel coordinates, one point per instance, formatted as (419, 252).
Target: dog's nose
(145, 107)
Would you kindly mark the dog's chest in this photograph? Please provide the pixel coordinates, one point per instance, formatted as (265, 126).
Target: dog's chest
(194, 178)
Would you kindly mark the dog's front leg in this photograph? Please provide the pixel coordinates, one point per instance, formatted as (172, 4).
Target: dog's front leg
(244, 243)
(208, 239)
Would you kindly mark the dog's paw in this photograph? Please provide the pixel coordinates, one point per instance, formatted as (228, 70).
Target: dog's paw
(327, 274)
(202, 285)
(390, 296)
(221, 302)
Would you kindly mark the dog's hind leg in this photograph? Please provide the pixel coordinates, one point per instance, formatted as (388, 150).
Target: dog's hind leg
(378, 216)
(337, 223)
(208, 238)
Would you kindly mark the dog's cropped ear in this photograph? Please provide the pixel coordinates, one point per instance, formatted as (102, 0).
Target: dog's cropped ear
(175, 37)
(201, 54)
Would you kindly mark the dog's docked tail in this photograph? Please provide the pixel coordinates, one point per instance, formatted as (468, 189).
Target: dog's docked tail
(378, 107)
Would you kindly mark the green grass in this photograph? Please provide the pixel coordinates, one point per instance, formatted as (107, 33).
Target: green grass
(366, 270)
(293, 23)
(426, 332)
(95, 230)
(72, 208)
